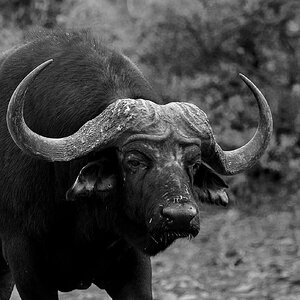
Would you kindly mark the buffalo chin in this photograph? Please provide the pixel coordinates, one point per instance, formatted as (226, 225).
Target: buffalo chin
(159, 241)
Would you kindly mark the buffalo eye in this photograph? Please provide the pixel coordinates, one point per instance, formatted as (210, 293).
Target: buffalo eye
(193, 164)
(192, 159)
(195, 167)
(135, 161)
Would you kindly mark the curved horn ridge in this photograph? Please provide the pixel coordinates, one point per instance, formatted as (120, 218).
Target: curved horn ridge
(18, 129)
(99, 132)
(238, 160)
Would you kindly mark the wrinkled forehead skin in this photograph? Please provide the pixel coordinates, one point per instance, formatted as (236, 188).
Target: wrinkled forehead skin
(167, 153)
(180, 121)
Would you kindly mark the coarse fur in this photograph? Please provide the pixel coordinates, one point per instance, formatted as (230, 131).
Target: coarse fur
(57, 104)
(51, 244)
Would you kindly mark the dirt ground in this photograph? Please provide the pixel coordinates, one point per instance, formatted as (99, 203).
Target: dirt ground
(236, 256)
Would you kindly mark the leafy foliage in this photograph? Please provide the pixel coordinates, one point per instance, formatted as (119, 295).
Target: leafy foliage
(194, 50)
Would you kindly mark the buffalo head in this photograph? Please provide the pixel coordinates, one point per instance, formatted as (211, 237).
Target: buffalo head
(165, 156)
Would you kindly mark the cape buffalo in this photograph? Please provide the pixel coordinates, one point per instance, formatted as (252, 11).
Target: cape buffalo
(96, 175)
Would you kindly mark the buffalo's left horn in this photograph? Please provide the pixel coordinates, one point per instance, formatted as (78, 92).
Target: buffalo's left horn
(235, 161)
(102, 131)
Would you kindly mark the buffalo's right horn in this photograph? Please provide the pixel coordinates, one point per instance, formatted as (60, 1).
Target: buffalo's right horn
(100, 132)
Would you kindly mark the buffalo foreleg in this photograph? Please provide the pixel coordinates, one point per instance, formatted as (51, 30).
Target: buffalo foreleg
(29, 275)
(130, 278)
(6, 281)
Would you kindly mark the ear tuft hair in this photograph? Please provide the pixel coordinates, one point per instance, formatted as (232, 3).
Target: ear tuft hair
(94, 179)
(210, 187)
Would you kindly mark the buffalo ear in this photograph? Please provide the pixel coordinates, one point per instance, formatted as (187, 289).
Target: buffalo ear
(96, 178)
(210, 187)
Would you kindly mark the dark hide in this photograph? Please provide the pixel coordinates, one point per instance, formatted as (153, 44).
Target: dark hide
(49, 243)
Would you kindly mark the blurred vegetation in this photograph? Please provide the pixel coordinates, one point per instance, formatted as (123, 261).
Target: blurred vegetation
(192, 51)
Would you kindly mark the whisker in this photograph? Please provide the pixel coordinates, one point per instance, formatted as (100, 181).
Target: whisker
(154, 239)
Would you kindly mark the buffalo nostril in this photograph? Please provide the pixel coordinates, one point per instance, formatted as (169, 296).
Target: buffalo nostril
(181, 214)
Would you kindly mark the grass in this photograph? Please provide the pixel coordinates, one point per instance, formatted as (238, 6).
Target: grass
(237, 255)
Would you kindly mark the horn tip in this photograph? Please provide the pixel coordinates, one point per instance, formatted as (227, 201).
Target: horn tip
(249, 83)
(46, 63)
(244, 78)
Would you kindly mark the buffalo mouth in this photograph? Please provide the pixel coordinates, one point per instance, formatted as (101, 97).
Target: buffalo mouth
(160, 240)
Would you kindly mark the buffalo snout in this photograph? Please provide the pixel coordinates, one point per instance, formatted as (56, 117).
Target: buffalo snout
(179, 216)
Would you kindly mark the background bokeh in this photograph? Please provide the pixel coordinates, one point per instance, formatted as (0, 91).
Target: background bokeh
(193, 50)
